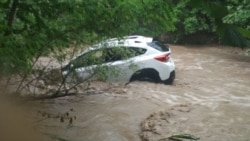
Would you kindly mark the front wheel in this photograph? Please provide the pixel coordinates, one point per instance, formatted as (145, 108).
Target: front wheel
(171, 78)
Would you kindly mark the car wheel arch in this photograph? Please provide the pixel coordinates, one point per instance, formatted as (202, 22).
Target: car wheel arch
(144, 74)
(171, 79)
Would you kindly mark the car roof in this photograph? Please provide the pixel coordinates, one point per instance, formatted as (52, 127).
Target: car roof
(127, 41)
(137, 38)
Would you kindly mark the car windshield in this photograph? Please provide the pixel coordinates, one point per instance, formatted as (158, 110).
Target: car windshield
(158, 45)
(90, 58)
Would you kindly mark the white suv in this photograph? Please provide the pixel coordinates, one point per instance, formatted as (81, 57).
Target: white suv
(125, 59)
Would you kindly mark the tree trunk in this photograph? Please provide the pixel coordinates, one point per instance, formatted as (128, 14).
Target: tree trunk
(11, 15)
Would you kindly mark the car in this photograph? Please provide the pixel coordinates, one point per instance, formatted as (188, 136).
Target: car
(125, 59)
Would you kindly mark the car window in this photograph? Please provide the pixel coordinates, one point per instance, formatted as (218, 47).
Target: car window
(90, 58)
(106, 55)
(137, 51)
(159, 46)
(122, 53)
(113, 54)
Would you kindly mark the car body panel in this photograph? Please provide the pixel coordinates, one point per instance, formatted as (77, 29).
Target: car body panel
(123, 69)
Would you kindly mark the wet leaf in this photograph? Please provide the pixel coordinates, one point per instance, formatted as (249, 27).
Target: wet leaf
(61, 119)
(179, 137)
(71, 120)
(67, 114)
(44, 114)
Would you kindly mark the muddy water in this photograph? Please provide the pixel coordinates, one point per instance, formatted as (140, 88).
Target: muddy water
(210, 99)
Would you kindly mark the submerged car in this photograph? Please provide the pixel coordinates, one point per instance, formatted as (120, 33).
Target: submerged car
(125, 59)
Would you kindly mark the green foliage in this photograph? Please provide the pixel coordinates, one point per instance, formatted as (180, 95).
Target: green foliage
(231, 18)
(228, 19)
(32, 28)
(156, 16)
(239, 16)
(191, 20)
(239, 13)
(234, 38)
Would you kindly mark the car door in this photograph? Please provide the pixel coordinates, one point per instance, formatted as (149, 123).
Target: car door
(122, 62)
(85, 65)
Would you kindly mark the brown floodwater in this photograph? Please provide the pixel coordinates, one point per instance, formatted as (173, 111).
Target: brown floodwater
(210, 99)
